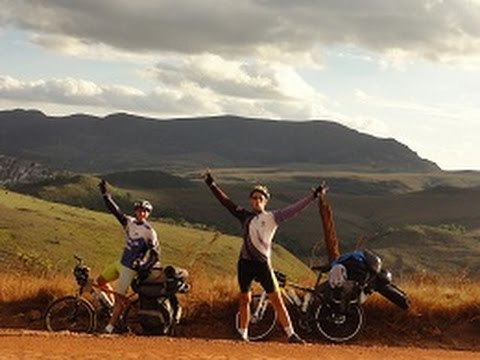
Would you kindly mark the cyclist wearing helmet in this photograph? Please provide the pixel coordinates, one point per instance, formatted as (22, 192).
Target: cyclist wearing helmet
(259, 227)
(140, 253)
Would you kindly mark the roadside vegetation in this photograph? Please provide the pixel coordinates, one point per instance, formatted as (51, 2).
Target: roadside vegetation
(38, 240)
(42, 237)
(415, 221)
(445, 312)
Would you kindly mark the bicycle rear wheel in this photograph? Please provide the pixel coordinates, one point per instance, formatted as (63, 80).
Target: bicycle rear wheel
(70, 314)
(336, 326)
(262, 318)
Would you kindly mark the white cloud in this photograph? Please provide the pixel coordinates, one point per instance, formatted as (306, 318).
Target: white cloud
(255, 80)
(72, 46)
(67, 91)
(245, 58)
(204, 93)
(396, 59)
(445, 31)
(444, 131)
(432, 111)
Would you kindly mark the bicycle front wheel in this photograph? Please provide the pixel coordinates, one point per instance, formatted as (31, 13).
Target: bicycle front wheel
(262, 318)
(70, 314)
(130, 320)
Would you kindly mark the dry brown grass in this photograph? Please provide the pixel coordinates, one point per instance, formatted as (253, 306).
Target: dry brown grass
(450, 296)
(15, 288)
(444, 312)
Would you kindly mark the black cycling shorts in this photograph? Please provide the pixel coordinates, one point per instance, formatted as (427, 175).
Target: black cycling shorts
(249, 270)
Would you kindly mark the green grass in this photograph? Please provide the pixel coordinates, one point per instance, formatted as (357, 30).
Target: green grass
(378, 210)
(353, 181)
(421, 248)
(42, 237)
(74, 189)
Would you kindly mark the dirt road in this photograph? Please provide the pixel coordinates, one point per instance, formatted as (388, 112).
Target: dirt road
(17, 344)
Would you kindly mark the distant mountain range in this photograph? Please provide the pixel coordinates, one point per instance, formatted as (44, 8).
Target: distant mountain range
(123, 142)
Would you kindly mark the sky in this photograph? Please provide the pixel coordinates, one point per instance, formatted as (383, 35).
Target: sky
(408, 69)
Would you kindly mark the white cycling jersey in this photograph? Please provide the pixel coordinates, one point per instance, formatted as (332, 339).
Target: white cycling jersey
(140, 238)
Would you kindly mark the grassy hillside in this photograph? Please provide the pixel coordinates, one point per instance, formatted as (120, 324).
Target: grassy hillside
(354, 181)
(40, 236)
(426, 227)
(73, 189)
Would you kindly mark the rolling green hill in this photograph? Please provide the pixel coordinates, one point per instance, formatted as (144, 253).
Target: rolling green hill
(41, 236)
(430, 229)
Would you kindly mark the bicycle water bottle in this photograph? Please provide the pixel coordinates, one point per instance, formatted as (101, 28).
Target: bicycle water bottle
(105, 300)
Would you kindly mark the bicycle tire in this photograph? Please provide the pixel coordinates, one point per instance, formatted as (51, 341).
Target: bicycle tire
(339, 327)
(70, 313)
(259, 329)
(130, 321)
(103, 315)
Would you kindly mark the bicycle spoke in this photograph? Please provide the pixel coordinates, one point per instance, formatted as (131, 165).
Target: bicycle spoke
(70, 314)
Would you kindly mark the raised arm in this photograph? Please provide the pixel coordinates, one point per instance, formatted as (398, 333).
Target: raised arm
(294, 209)
(282, 215)
(223, 198)
(111, 205)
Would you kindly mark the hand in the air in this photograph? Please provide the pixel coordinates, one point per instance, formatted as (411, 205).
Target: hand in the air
(207, 177)
(321, 189)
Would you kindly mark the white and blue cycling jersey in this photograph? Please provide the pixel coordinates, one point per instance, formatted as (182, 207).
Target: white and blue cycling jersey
(140, 239)
(142, 248)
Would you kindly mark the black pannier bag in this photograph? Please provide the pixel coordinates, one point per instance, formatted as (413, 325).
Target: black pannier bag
(155, 315)
(159, 307)
(161, 282)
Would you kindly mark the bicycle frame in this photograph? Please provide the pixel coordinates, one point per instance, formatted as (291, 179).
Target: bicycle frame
(87, 285)
(292, 297)
(310, 293)
(262, 320)
(259, 312)
(92, 299)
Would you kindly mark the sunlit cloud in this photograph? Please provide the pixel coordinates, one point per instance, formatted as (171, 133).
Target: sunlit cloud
(443, 31)
(189, 96)
(280, 59)
(255, 80)
(75, 47)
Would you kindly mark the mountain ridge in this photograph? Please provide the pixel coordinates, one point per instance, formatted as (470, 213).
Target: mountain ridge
(123, 141)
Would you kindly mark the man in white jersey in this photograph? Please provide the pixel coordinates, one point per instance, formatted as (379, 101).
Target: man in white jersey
(259, 227)
(140, 253)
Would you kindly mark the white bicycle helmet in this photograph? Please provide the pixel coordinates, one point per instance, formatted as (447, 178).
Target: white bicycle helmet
(143, 204)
